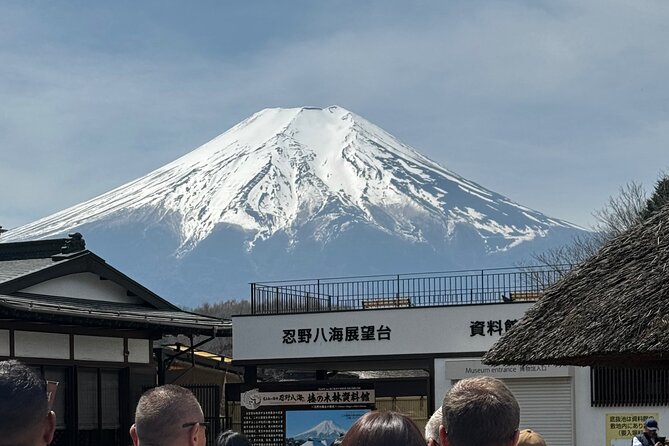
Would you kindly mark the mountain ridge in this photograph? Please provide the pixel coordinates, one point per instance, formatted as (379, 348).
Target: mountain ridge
(298, 182)
(326, 429)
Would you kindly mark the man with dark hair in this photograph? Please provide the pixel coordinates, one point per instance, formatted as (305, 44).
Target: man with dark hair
(25, 418)
(168, 415)
(479, 411)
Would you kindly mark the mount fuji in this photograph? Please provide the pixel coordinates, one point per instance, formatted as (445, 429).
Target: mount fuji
(326, 430)
(301, 192)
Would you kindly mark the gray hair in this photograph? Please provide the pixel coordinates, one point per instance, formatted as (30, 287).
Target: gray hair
(162, 412)
(23, 399)
(432, 426)
(480, 411)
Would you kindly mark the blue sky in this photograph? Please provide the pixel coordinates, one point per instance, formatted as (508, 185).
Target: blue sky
(553, 104)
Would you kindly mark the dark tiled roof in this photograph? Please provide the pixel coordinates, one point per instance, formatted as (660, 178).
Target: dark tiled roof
(12, 269)
(35, 249)
(19, 274)
(23, 264)
(113, 314)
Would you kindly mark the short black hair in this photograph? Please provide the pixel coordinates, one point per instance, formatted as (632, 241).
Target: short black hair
(23, 398)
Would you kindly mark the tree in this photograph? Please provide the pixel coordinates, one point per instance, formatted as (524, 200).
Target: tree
(630, 207)
(223, 310)
(659, 197)
(620, 213)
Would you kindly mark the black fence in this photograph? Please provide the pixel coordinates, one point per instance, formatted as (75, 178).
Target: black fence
(404, 290)
(209, 397)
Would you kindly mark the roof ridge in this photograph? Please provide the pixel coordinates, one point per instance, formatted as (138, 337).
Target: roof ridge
(41, 249)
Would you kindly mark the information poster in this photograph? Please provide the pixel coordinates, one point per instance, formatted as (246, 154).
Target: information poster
(285, 416)
(621, 427)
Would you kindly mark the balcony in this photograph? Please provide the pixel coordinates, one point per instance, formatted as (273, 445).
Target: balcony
(435, 289)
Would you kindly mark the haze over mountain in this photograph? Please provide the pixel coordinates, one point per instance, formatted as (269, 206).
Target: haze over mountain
(302, 192)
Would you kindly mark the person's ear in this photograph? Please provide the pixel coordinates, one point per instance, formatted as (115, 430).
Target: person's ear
(514, 440)
(443, 438)
(133, 435)
(49, 427)
(195, 433)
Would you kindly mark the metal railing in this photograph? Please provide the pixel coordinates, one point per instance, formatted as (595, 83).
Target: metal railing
(468, 287)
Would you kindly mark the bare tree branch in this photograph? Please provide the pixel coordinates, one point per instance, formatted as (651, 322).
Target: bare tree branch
(619, 214)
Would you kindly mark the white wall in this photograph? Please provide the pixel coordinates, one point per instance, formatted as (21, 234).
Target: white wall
(4, 342)
(32, 344)
(139, 350)
(98, 348)
(591, 421)
(83, 286)
(441, 383)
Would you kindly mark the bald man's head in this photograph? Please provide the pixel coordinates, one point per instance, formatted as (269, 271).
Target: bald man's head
(161, 415)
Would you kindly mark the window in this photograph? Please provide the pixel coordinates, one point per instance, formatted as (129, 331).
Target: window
(98, 407)
(611, 386)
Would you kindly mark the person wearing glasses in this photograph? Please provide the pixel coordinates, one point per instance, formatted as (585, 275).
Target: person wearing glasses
(169, 415)
(25, 418)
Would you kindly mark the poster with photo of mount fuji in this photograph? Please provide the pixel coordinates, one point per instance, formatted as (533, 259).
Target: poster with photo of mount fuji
(319, 427)
(299, 414)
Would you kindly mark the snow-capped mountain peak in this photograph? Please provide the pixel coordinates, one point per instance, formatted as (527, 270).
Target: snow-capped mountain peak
(301, 192)
(326, 429)
(283, 170)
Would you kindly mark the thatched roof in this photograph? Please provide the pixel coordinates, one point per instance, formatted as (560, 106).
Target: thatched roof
(611, 310)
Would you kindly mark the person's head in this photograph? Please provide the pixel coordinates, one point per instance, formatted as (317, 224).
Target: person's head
(232, 438)
(25, 418)
(528, 437)
(383, 428)
(480, 411)
(432, 428)
(168, 416)
(650, 426)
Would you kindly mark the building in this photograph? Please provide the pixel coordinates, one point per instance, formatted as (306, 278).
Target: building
(608, 315)
(80, 322)
(424, 331)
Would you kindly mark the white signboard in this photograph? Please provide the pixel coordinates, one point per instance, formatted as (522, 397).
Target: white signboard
(460, 369)
(254, 398)
(364, 333)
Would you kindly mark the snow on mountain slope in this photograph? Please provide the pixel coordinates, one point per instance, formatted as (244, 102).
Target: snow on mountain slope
(326, 429)
(283, 169)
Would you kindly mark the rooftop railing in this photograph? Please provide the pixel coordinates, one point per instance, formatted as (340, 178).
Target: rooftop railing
(436, 289)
